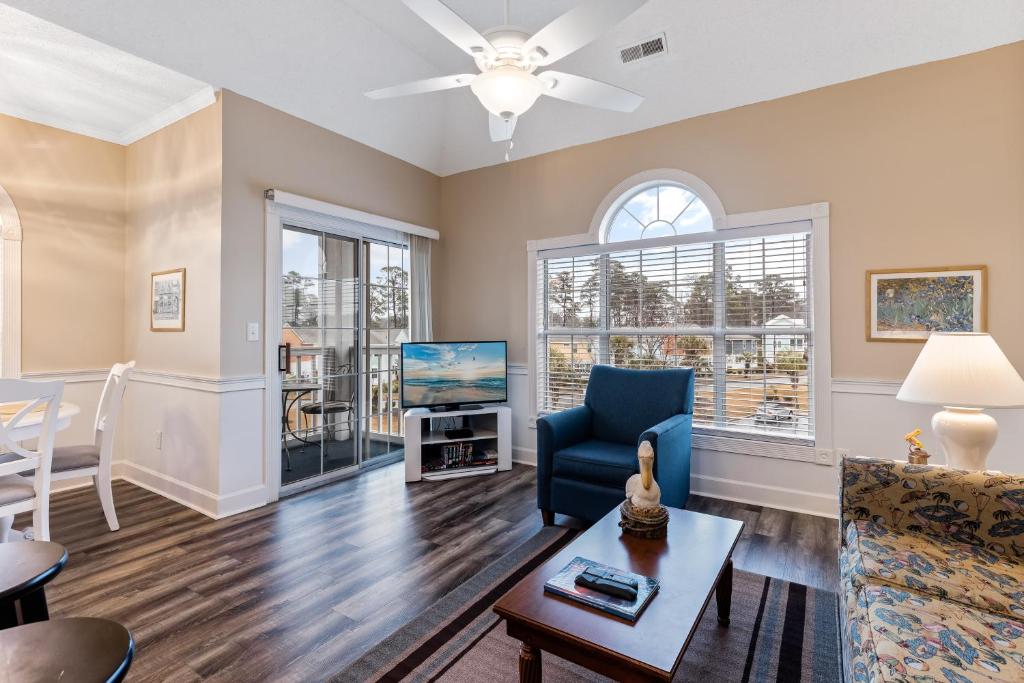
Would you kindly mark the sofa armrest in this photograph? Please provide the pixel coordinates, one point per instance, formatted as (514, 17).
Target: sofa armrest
(980, 508)
(555, 432)
(671, 441)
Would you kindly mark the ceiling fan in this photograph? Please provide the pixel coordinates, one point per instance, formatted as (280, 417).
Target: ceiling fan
(508, 58)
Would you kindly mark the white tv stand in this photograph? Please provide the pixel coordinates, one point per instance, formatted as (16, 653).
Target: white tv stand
(425, 442)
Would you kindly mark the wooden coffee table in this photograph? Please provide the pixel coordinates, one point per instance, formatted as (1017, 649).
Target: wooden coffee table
(694, 562)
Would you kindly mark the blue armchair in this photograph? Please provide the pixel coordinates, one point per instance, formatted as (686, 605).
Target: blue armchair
(586, 454)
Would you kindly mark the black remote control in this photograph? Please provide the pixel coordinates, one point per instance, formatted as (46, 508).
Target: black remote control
(609, 583)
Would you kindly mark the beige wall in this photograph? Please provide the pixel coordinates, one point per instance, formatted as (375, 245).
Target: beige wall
(173, 188)
(69, 193)
(922, 167)
(266, 148)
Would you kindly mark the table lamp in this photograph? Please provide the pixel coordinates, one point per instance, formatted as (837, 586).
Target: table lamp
(964, 372)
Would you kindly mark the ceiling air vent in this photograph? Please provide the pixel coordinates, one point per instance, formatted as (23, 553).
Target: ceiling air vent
(645, 49)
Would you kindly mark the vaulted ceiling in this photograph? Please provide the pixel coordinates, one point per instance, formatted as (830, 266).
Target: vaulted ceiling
(315, 58)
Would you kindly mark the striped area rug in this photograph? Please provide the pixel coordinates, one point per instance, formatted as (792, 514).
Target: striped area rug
(780, 631)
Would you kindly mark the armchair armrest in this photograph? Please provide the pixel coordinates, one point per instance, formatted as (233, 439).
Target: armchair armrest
(981, 508)
(671, 441)
(555, 432)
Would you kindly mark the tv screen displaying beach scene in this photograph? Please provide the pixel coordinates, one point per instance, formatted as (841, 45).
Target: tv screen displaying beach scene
(451, 373)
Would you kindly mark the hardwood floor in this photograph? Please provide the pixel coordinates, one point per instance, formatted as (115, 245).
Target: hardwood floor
(296, 590)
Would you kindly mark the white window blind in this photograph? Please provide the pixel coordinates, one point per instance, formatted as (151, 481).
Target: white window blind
(736, 311)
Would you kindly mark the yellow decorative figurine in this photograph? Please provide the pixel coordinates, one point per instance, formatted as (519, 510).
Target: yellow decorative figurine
(917, 455)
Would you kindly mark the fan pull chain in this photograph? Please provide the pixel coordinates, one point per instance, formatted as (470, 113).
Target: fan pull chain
(508, 152)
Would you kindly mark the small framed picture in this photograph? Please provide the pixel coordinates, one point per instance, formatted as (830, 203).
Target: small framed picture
(167, 301)
(908, 304)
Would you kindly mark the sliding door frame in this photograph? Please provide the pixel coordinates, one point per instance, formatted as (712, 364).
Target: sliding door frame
(283, 209)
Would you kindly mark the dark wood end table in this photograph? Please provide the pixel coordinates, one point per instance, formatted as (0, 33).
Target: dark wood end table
(692, 563)
(25, 568)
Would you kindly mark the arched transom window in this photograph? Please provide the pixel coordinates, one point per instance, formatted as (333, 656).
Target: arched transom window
(660, 209)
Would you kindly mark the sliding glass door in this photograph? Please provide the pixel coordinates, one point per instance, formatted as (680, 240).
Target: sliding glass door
(344, 316)
(387, 313)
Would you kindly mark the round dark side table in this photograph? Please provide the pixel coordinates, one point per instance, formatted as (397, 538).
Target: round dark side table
(25, 568)
(79, 649)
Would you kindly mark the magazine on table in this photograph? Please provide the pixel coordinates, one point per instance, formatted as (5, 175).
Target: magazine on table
(564, 584)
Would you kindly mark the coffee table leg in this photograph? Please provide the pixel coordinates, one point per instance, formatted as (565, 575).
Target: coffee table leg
(723, 594)
(529, 664)
(33, 607)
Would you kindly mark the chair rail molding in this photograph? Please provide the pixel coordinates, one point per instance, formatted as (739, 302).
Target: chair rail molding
(10, 289)
(213, 385)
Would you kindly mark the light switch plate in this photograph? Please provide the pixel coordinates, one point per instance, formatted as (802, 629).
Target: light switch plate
(252, 331)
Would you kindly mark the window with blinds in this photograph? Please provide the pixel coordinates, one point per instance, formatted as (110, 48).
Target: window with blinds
(736, 311)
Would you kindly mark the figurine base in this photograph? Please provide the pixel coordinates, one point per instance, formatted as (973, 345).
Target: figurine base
(917, 457)
(644, 522)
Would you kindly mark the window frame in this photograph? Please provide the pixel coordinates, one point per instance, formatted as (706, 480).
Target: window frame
(727, 227)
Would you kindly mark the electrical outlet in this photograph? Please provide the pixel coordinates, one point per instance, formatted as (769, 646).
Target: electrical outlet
(252, 331)
(842, 453)
(159, 440)
(823, 456)
(532, 422)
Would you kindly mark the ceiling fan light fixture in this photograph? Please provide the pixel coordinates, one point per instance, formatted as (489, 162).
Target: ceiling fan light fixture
(507, 91)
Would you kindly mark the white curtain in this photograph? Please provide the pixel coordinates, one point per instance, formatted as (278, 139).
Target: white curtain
(420, 325)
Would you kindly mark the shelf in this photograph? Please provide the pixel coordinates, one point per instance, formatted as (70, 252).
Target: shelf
(456, 472)
(439, 437)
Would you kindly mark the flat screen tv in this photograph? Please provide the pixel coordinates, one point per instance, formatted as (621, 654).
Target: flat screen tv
(444, 375)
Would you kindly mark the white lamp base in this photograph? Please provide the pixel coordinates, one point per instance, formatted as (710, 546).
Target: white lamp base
(966, 435)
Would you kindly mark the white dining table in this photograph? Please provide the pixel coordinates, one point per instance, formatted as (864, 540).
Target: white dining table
(29, 427)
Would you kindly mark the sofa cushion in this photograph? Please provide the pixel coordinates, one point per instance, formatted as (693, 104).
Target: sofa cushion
(892, 634)
(598, 462)
(966, 573)
(625, 402)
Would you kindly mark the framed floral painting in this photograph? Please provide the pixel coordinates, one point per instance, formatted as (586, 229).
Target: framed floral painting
(908, 304)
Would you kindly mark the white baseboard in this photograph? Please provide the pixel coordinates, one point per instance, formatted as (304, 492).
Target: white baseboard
(240, 501)
(208, 503)
(793, 500)
(524, 456)
(179, 491)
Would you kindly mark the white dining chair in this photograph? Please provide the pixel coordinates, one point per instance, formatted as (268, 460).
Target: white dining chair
(17, 493)
(94, 460)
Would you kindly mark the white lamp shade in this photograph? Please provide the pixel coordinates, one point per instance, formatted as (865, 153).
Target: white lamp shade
(963, 369)
(507, 91)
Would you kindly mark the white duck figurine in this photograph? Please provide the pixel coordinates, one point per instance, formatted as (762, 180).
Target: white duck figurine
(641, 489)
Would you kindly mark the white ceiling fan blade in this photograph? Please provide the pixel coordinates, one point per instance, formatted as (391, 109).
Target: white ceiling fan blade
(501, 129)
(451, 26)
(589, 92)
(576, 28)
(426, 85)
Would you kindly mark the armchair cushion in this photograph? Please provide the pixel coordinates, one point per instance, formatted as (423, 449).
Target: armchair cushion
(598, 462)
(625, 402)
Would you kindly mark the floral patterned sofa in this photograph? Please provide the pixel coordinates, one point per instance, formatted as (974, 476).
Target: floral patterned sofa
(932, 573)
